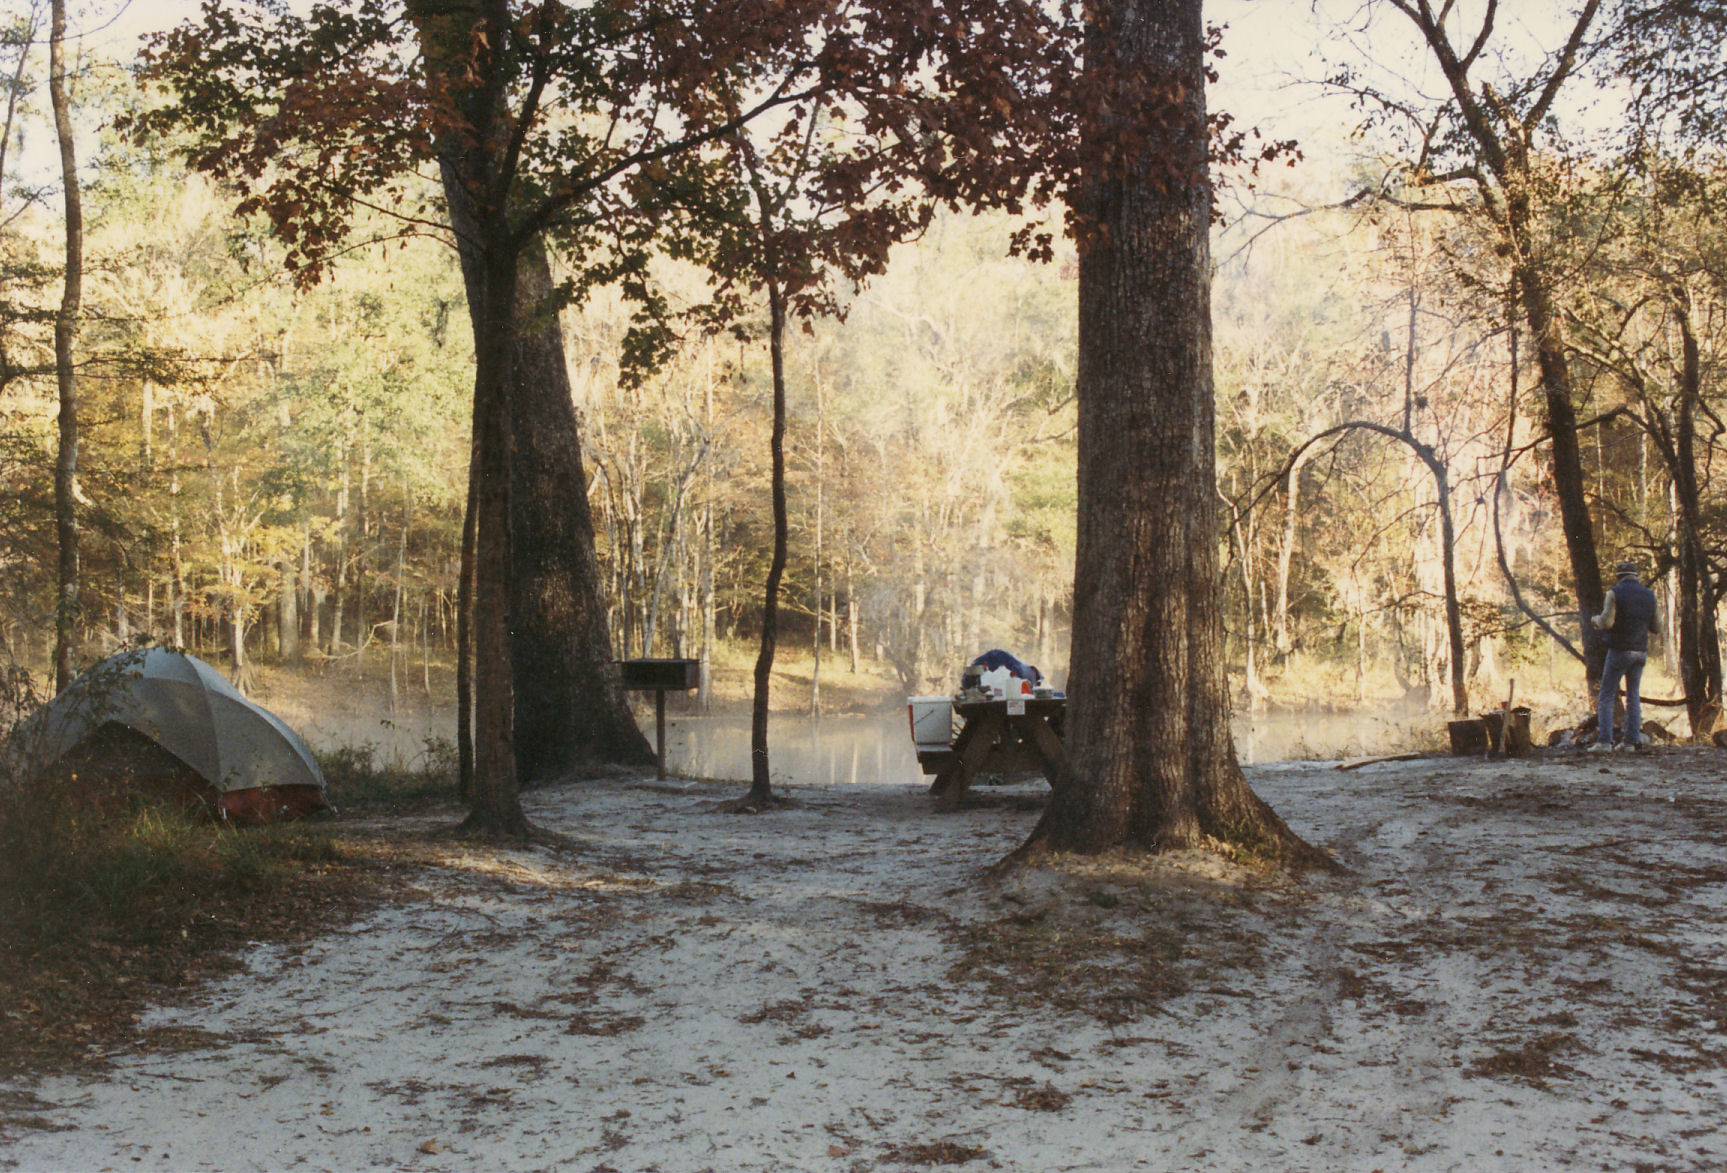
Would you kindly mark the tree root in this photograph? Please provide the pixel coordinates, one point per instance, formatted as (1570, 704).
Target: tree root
(518, 833)
(756, 804)
(1284, 851)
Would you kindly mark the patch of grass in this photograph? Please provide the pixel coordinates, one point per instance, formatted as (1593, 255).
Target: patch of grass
(1246, 844)
(107, 895)
(356, 776)
(77, 859)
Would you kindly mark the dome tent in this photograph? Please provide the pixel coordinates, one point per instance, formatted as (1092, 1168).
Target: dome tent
(252, 766)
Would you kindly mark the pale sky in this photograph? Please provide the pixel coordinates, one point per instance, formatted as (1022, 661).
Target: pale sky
(1271, 43)
(1275, 50)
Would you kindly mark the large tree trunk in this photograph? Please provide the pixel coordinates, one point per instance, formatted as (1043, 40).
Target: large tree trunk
(461, 47)
(494, 802)
(570, 713)
(570, 710)
(1150, 760)
(65, 331)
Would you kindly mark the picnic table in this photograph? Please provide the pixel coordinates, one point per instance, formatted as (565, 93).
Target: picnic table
(999, 736)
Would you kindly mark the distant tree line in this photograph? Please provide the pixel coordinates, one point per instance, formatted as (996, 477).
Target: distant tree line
(1444, 396)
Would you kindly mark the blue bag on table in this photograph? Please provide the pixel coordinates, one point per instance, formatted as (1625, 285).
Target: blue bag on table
(997, 658)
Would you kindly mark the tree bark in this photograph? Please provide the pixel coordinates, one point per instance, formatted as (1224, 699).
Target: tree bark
(396, 603)
(242, 674)
(571, 716)
(311, 595)
(465, 638)
(816, 609)
(704, 698)
(364, 523)
(1699, 640)
(1448, 563)
(852, 618)
(494, 803)
(65, 333)
(761, 790)
(339, 558)
(176, 561)
(288, 612)
(1565, 460)
(1150, 759)
(463, 49)
(568, 708)
(1286, 554)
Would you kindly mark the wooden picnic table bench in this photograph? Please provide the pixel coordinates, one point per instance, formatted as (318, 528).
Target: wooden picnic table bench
(997, 736)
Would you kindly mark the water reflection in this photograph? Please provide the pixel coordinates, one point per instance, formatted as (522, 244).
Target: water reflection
(1281, 736)
(877, 748)
(834, 750)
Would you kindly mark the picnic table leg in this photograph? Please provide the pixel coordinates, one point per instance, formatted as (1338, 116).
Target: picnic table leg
(944, 775)
(976, 740)
(1049, 749)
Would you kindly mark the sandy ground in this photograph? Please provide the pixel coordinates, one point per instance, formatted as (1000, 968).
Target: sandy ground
(1525, 971)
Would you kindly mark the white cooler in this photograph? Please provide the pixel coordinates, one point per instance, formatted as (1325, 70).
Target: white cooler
(931, 719)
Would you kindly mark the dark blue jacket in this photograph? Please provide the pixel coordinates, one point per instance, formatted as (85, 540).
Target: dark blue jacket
(996, 658)
(1633, 616)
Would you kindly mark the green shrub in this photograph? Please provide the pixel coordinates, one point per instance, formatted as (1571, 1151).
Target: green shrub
(80, 857)
(354, 776)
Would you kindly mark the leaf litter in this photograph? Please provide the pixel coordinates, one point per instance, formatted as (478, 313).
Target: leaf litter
(1522, 971)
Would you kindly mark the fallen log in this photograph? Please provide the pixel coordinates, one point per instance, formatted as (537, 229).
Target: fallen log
(1357, 763)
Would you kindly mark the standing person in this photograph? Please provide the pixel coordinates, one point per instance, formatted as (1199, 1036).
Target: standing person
(1627, 618)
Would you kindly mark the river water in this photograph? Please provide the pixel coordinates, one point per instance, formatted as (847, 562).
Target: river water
(874, 748)
(877, 748)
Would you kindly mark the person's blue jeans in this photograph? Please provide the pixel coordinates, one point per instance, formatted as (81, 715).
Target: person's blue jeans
(1627, 666)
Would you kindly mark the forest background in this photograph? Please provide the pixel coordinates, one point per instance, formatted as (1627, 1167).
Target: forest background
(276, 476)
